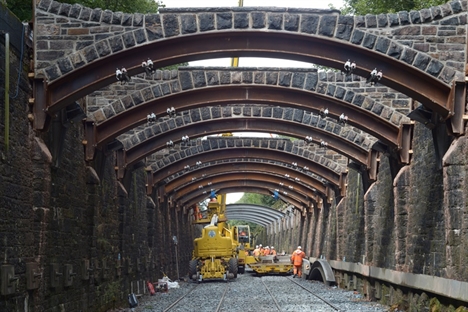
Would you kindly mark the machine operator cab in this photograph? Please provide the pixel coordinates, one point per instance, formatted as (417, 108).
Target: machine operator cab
(242, 235)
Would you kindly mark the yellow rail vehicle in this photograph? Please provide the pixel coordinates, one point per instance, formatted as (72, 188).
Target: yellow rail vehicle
(214, 253)
(272, 265)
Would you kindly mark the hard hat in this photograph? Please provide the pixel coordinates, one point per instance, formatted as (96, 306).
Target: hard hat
(299, 247)
(260, 245)
(256, 246)
(272, 247)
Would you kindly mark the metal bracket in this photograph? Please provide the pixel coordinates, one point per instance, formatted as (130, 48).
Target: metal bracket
(457, 102)
(90, 139)
(373, 165)
(33, 276)
(343, 183)
(120, 156)
(55, 275)
(85, 269)
(68, 275)
(40, 117)
(160, 194)
(8, 279)
(149, 181)
(404, 142)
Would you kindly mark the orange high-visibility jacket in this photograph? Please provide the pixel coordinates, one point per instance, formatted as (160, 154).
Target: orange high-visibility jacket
(297, 257)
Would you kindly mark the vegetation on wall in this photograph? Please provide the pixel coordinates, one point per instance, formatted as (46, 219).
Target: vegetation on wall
(363, 7)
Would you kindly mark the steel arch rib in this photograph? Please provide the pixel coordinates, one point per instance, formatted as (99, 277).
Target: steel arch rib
(288, 128)
(248, 216)
(297, 200)
(248, 152)
(400, 76)
(249, 94)
(236, 189)
(257, 208)
(243, 176)
(222, 168)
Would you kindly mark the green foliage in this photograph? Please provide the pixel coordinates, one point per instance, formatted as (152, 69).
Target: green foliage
(260, 199)
(363, 7)
(175, 66)
(23, 8)
(126, 6)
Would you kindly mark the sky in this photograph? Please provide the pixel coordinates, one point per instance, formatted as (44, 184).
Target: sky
(249, 61)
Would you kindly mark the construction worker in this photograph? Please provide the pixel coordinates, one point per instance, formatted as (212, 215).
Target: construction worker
(296, 260)
(256, 251)
(272, 251)
(266, 252)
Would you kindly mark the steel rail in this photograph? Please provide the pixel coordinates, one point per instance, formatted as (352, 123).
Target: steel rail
(179, 299)
(218, 308)
(271, 295)
(312, 293)
(407, 79)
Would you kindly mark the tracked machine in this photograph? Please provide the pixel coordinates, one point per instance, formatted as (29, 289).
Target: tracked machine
(214, 253)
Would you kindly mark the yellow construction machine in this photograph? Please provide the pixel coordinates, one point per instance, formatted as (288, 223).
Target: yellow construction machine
(214, 253)
(243, 244)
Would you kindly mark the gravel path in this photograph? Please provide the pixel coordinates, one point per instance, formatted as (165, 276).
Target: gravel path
(257, 294)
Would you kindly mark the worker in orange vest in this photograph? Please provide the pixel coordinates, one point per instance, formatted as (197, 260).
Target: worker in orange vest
(266, 252)
(256, 251)
(296, 260)
(272, 251)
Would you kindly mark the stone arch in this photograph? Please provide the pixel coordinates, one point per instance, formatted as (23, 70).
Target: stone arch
(272, 179)
(293, 197)
(228, 148)
(357, 152)
(267, 95)
(191, 180)
(407, 70)
(241, 188)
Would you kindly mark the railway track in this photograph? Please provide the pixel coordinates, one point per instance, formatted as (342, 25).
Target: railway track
(219, 296)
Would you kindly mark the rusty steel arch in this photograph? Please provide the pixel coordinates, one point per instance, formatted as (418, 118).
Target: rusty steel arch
(289, 175)
(433, 93)
(388, 133)
(294, 197)
(319, 169)
(251, 124)
(266, 177)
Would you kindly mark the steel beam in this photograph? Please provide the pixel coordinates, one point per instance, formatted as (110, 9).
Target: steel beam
(41, 119)
(230, 187)
(221, 168)
(358, 117)
(299, 192)
(407, 79)
(278, 126)
(248, 153)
